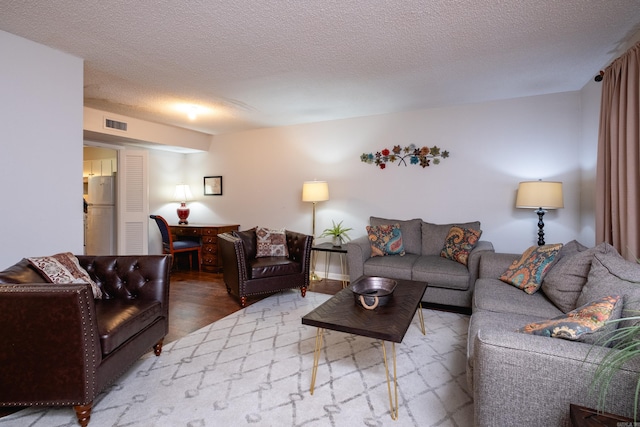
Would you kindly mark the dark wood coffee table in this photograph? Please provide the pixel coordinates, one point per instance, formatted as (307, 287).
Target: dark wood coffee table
(388, 322)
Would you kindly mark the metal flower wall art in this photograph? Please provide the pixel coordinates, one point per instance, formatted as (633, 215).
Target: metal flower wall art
(410, 155)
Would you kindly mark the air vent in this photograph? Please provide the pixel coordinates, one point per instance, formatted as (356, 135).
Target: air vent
(114, 124)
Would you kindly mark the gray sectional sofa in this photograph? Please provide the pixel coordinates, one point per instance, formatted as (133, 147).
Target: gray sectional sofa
(530, 380)
(450, 282)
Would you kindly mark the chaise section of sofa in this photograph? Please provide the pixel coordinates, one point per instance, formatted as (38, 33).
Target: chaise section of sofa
(523, 379)
(450, 282)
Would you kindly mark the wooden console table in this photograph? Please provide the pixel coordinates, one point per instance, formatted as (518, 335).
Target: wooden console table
(207, 235)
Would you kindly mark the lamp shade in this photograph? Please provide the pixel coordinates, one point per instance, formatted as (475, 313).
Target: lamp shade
(182, 193)
(315, 191)
(540, 194)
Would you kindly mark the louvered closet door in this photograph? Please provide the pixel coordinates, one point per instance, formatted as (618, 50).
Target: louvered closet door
(133, 202)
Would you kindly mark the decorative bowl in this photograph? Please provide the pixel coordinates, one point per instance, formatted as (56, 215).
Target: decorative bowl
(371, 292)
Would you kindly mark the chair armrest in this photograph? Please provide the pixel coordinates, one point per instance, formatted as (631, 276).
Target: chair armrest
(131, 276)
(50, 349)
(299, 247)
(358, 251)
(234, 264)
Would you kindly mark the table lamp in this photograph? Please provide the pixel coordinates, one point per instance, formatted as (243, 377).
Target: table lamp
(540, 195)
(182, 194)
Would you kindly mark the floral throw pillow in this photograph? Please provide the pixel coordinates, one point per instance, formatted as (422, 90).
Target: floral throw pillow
(459, 243)
(527, 272)
(385, 240)
(587, 323)
(271, 242)
(64, 268)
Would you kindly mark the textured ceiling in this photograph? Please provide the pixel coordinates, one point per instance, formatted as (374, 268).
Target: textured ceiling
(264, 63)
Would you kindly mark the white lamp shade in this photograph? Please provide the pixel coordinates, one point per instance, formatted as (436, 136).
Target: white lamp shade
(182, 193)
(315, 191)
(540, 194)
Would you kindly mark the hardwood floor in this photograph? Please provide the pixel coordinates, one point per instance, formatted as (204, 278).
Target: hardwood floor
(197, 299)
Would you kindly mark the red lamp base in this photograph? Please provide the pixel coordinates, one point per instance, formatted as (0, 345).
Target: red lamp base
(183, 213)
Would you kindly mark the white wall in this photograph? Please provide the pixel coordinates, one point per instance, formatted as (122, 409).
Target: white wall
(493, 146)
(588, 151)
(41, 160)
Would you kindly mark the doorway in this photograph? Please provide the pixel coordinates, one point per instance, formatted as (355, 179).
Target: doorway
(99, 174)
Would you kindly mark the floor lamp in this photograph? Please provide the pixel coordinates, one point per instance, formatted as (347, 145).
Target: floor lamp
(540, 195)
(314, 192)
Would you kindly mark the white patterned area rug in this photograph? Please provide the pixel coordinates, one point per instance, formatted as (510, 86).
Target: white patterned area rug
(253, 368)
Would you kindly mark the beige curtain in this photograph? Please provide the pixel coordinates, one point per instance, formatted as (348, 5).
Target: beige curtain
(618, 164)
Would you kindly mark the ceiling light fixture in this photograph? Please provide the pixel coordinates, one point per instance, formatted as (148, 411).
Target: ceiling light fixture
(193, 112)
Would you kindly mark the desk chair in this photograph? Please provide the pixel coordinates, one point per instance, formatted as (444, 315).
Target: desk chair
(170, 246)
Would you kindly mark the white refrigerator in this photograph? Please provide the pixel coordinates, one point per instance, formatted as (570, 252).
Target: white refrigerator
(100, 233)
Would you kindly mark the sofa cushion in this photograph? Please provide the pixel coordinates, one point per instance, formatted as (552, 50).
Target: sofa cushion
(441, 272)
(565, 280)
(263, 267)
(410, 229)
(611, 274)
(119, 320)
(527, 272)
(271, 242)
(393, 267)
(459, 243)
(249, 241)
(497, 296)
(587, 323)
(434, 235)
(385, 240)
(64, 268)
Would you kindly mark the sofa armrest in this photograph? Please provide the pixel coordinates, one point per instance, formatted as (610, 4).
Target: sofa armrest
(473, 262)
(131, 276)
(50, 349)
(521, 379)
(493, 264)
(358, 251)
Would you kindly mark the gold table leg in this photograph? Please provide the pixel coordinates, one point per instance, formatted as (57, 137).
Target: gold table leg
(316, 357)
(314, 277)
(327, 261)
(343, 265)
(393, 399)
(421, 316)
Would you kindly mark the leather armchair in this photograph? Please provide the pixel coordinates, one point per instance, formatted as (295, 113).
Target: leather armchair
(62, 347)
(245, 275)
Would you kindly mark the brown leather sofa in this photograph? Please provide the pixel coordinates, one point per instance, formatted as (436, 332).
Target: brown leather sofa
(59, 346)
(245, 275)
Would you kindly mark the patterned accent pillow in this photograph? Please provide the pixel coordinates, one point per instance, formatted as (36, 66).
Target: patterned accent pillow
(459, 243)
(385, 240)
(64, 268)
(527, 272)
(587, 323)
(270, 242)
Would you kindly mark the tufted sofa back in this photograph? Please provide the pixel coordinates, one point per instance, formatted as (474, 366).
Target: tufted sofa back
(130, 277)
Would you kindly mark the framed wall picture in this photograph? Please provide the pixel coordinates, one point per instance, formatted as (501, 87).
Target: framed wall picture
(213, 186)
